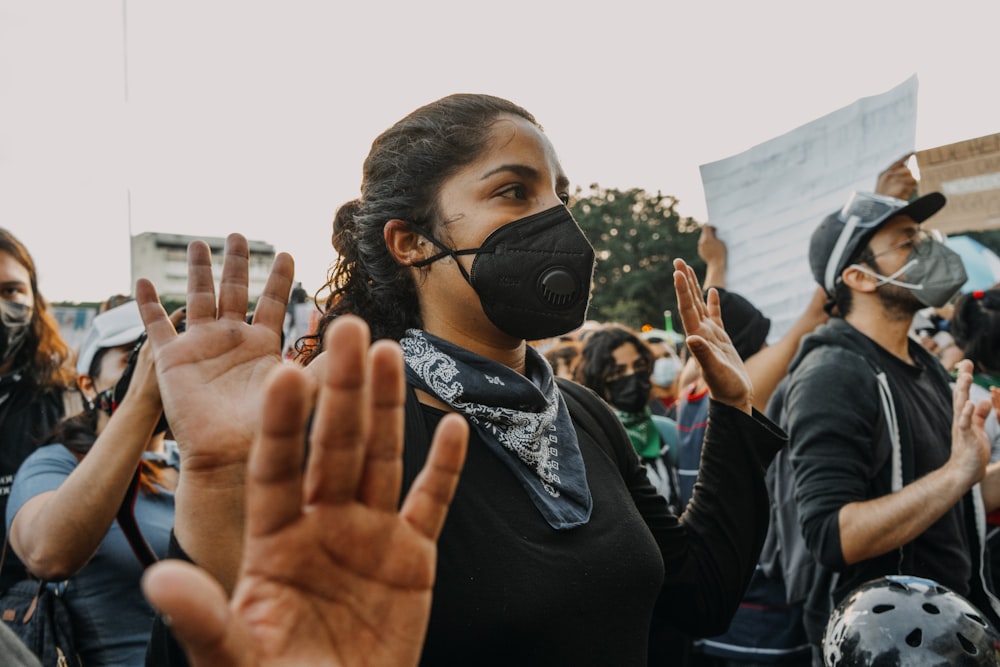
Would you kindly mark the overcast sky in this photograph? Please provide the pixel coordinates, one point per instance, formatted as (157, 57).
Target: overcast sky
(218, 116)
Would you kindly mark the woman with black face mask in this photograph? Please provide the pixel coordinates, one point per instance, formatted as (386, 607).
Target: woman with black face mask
(556, 549)
(63, 505)
(36, 381)
(617, 366)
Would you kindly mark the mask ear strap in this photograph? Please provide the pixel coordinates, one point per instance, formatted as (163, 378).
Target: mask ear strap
(890, 279)
(445, 252)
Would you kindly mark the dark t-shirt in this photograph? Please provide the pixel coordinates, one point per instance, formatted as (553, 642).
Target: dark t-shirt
(27, 415)
(941, 552)
(504, 573)
(510, 590)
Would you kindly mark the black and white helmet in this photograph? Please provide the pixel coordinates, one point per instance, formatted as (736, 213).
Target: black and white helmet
(902, 620)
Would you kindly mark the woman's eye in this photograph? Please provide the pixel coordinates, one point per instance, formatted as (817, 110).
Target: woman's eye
(515, 192)
(564, 198)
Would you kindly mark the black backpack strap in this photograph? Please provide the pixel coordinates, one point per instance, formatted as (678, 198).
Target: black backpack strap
(126, 519)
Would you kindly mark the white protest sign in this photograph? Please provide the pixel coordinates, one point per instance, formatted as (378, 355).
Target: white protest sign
(767, 201)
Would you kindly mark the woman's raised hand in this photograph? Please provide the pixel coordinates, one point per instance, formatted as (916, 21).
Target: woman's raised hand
(211, 380)
(333, 572)
(708, 341)
(211, 375)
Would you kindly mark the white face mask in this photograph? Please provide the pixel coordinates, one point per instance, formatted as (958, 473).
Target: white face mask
(665, 370)
(934, 273)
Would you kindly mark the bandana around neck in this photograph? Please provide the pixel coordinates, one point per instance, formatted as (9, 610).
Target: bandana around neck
(523, 419)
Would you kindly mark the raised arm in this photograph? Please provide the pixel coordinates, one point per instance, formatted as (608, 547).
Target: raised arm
(56, 532)
(873, 527)
(897, 180)
(769, 365)
(211, 379)
(720, 364)
(712, 250)
(332, 573)
(991, 482)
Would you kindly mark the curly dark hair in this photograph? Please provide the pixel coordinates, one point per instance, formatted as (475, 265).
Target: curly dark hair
(597, 360)
(402, 178)
(975, 326)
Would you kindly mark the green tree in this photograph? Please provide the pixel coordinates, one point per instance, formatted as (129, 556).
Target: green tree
(636, 236)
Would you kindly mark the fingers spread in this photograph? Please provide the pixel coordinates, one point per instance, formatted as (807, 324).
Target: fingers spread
(198, 612)
(689, 301)
(159, 329)
(383, 467)
(342, 420)
(274, 480)
(713, 306)
(983, 408)
(963, 381)
(427, 502)
(270, 310)
(233, 294)
(200, 283)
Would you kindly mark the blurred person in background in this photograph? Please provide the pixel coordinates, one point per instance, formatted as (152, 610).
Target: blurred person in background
(66, 495)
(666, 375)
(617, 366)
(36, 381)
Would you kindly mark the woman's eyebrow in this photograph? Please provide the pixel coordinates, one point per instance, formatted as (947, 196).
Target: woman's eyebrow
(526, 172)
(522, 170)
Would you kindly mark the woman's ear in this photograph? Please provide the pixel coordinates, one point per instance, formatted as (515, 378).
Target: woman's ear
(86, 386)
(404, 243)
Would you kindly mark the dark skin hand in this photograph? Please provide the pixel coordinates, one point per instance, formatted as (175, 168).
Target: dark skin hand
(332, 572)
(721, 366)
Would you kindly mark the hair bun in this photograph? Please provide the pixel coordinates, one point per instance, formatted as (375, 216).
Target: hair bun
(344, 225)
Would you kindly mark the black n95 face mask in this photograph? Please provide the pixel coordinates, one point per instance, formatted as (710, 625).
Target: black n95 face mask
(532, 275)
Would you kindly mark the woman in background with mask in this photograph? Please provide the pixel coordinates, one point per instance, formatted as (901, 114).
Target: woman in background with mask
(66, 495)
(617, 366)
(666, 376)
(35, 378)
(556, 550)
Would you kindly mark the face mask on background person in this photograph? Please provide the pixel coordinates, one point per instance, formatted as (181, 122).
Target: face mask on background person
(15, 322)
(665, 370)
(630, 393)
(109, 399)
(934, 272)
(532, 275)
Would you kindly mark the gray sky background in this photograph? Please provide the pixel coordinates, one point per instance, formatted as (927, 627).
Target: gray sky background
(255, 116)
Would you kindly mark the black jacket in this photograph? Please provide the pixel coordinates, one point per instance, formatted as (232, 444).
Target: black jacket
(842, 451)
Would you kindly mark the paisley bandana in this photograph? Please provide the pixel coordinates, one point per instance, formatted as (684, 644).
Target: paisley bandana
(523, 419)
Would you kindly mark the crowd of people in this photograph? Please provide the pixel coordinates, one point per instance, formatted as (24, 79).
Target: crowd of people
(459, 468)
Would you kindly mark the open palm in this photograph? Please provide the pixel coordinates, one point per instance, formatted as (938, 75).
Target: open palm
(333, 571)
(708, 341)
(211, 376)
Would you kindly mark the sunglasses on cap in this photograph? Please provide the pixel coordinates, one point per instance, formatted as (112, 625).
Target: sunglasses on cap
(863, 210)
(867, 209)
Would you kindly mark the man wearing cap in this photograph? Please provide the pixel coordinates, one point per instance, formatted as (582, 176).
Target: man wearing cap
(884, 459)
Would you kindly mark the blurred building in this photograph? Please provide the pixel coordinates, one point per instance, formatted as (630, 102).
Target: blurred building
(162, 259)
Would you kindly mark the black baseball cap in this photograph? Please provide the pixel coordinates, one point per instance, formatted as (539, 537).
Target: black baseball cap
(841, 234)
